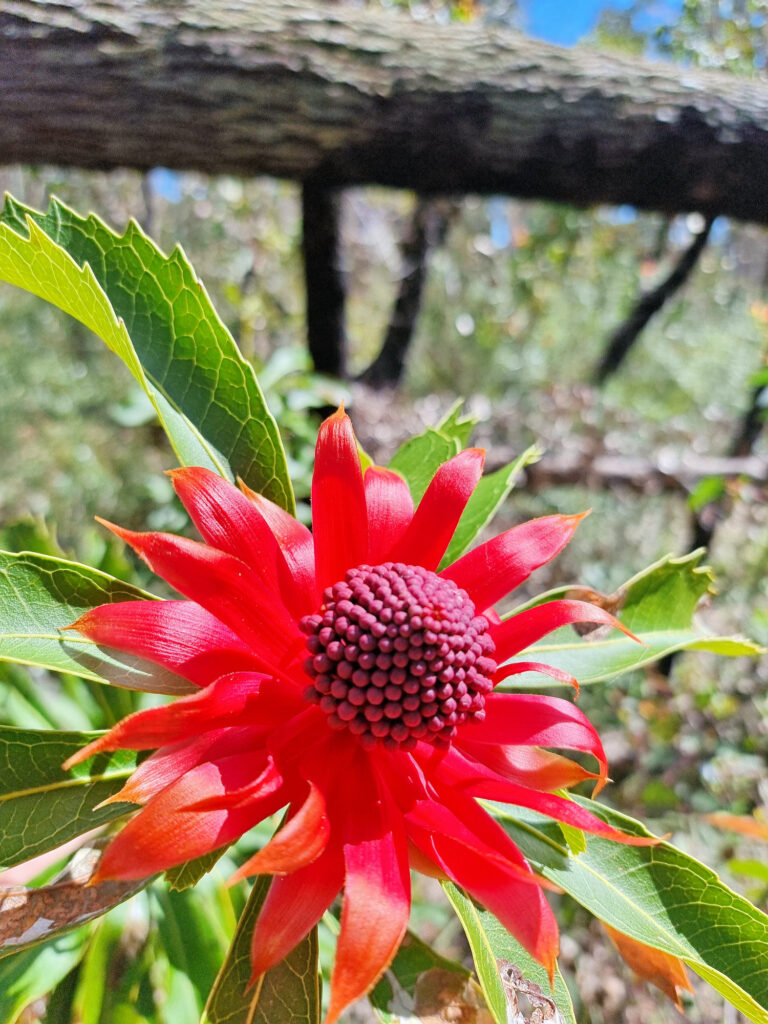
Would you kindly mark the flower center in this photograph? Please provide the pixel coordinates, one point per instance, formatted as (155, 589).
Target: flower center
(398, 655)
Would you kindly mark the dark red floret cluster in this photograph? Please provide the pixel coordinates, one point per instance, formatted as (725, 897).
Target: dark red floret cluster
(397, 654)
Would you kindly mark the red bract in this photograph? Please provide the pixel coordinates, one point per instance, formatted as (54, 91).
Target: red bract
(340, 675)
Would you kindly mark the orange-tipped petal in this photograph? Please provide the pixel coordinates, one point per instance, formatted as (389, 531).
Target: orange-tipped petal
(339, 517)
(377, 893)
(164, 834)
(299, 842)
(219, 704)
(520, 906)
(529, 766)
(169, 763)
(435, 520)
(297, 577)
(493, 570)
(293, 906)
(536, 721)
(227, 520)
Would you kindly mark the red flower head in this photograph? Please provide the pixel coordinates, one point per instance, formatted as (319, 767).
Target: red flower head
(339, 674)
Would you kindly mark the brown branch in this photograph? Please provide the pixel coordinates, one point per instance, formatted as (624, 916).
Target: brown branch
(624, 337)
(324, 278)
(348, 95)
(704, 521)
(429, 225)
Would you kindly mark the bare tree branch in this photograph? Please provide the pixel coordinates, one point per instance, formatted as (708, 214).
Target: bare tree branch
(624, 337)
(324, 279)
(428, 227)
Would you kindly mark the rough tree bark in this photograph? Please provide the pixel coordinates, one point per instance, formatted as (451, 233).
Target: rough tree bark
(346, 96)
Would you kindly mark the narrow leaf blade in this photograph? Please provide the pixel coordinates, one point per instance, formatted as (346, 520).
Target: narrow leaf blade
(487, 497)
(290, 992)
(492, 947)
(418, 459)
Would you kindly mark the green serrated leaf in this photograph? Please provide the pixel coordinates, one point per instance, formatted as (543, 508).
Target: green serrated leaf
(491, 943)
(289, 993)
(40, 595)
(659, 896)
(411, 981)
(454, 425)
(42, 806)
(418, 459)
(154, 313)
(490, 492)
(658, 607)
(185, 875)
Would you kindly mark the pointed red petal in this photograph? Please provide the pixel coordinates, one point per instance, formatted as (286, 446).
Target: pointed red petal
(163, 834)
(536, 721)
(294, 905)
(390, 510)
(180, 635)
(299, 842)
(528, 766)
(494, 569)
(339, 517)
(430, 818)
(515, 668)
(463, 778)
(222, 584)
(520, 631)
(230, 700)
(377, 887)
(227, 520)
(520, 907)
(439, 511)
(298, 550)
(169, 763)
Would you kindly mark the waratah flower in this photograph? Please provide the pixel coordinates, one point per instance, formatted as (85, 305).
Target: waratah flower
(340, 675)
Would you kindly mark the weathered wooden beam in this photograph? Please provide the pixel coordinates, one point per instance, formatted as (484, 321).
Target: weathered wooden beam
(643, 475)
(346, 96)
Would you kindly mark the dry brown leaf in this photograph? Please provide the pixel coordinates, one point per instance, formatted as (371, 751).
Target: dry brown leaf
(446, 997)
(526, 1003)
(28, 916)
(663, 970)
(611, 603)
(746, 825)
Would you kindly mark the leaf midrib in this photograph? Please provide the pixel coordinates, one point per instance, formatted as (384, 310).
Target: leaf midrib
(684, 953)
(52, 787)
